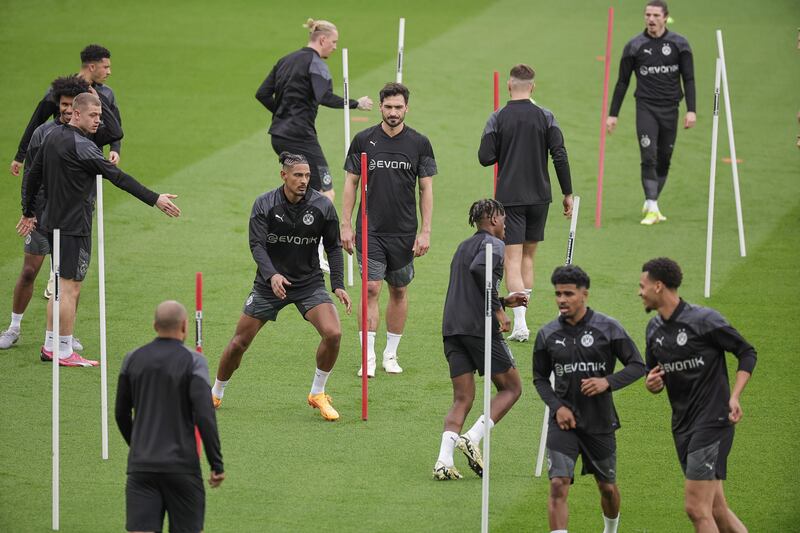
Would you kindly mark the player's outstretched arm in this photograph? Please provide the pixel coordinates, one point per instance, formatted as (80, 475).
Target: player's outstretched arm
(164, 203)
(365, 103)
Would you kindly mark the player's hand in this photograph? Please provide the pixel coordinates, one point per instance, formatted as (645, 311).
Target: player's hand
(654, 380)
(279, 284)
(503, 320)
(113, 158)
(215, 480)
(689, 120)
(164, 203)
(611, 124)
(568, 202)
(348, 238)
(515, 299)
(365, 103)
(565, 419)
(594, 386)
(25, 226)
(735, 410)
(15, 166)
(344, 298)
(422, 244)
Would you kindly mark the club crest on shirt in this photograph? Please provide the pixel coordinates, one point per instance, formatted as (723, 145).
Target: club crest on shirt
(666, 49)
(308, 219)
(28, 238)
(327, 179)
(644, 141)
(249, 300)
(682, 338)
(587, 339)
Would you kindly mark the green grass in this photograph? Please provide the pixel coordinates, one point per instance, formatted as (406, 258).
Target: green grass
(185, 74)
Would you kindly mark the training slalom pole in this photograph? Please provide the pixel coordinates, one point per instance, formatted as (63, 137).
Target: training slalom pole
(603, 117)
(487, 388)
(346, 97)
(56, 257)
(198, 339)
(101, 287)
(573, 226)
(364, 281)
(712, 177)
(734, 163)
(496, 85)
(401, 37)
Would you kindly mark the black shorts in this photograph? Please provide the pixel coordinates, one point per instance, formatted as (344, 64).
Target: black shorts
(598, 453)
(36, 244)
(703, 453)
(464, 354)
(389, 258)
(263, 305)
(76, 252)
(321, 179)
(149, 495)
(525, 223)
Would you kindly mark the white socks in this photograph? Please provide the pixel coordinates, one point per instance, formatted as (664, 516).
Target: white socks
(48, 341)
(320, 378)
(611, 524)
(449, 439)
(478, 430)
(392, 342)
(370, 344)
(218, 389)
(64, 346)
(15, 321)
(559, 531)
(651, 205)
(519, 313)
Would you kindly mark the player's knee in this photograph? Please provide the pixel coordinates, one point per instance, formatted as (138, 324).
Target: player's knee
(465, 397)
(397, 293)
(332, 336)
(239, 344)
(559, 487)
(28, 275)
(607, 490)
(696, 511)
(373, 289)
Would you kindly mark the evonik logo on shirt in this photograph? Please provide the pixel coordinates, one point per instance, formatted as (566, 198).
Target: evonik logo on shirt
(291, 239)
(684, 365)
(582, 366)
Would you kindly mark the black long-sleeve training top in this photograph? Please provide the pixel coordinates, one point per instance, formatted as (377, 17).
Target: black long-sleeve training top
(589, 349)
(66, 166)
(47, 108)
(659, 64)
(293, 92)
(518, 138)
(162, 393)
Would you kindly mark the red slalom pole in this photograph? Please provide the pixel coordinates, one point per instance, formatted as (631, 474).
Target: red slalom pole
(496, 107)
(364, 271)
(603, 116)
(198, 336)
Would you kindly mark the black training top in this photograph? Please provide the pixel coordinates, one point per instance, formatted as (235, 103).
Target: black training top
(518, 138)
(589, 349)
(395, 165)
(464, 305)
(690, 346)
(294, 90)
(659, 63)
(66, 166)
(162, 393)
(284, 238)
(47, 108)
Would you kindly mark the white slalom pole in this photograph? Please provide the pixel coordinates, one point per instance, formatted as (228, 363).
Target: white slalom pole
(401, 37)
(487, 388)
(712, 177)
(734, 162)
(101, 285)
(346, 96)
(573, 226)
(56, 257)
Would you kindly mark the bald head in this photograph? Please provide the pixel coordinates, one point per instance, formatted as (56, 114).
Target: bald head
(171, 320)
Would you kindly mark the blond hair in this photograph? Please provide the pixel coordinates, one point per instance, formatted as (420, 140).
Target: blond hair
(317, 28)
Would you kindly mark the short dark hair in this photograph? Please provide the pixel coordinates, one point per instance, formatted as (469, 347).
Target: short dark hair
(523, 72)
(486, 208)
(94, 53)
(288, 159)
(665, 270)
(658, 3)
(570, 275)
(393, 89)
(68, 86)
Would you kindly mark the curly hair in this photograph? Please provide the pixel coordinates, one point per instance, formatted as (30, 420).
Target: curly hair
(570, 275)
(68, 86)
(486, 208)
(94, 53)
(665, 270)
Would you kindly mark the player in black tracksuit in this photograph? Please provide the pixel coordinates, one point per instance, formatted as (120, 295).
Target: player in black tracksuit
(686, 347)
(659, 58)
(162, 394)
(287, 225)
(580, 348)
(463, 324)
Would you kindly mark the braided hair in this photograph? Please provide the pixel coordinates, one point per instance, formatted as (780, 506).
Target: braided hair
(486, 208)
(288, 159)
